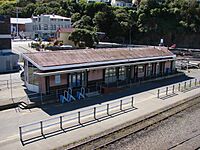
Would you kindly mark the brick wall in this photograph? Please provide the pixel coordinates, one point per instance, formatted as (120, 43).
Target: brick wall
(95, 75)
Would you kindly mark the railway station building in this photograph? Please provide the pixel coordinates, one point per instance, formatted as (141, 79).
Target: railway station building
(96, 70)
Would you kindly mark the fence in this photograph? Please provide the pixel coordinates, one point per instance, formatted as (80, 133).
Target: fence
(74, 120)
(180, 87)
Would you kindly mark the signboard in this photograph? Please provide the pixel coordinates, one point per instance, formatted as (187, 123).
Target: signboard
(57, 79)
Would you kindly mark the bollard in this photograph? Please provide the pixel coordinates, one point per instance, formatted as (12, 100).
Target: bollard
(185, 85)
(121, 105)
(179, 87)
(132, 101)
(79, 117)
(190, 83)
(61, 126)
(95, 113)
(195, 82)
(108, 109)
(173, 89)
(41, 128)
(20, 134)
(158, 93)
(166, 90)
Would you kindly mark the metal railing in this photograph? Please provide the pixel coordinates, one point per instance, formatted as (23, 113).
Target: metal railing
(69, 121)
(179, 87)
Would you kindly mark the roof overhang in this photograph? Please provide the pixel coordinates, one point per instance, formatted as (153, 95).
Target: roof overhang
(94, 68)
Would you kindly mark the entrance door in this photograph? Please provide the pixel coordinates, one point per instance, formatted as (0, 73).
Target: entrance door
(135, 72)
(47, 85)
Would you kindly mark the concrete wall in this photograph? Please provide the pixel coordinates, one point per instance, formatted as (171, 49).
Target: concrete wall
(65, 38)
(95, 75)
(9, 62)
(42, 85)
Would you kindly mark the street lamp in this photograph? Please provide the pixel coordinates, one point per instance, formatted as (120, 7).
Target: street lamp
(17, 16)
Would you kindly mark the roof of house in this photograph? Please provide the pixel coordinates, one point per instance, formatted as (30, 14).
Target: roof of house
(86, 57)
(20, 20)
(52, 16)
(65, 30)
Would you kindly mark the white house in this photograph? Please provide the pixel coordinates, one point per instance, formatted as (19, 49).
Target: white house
(18, 25)
(93, 1)
(121, 3)
(45, 26)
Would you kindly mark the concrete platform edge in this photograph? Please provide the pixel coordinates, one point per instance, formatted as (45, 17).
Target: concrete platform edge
(133, 122)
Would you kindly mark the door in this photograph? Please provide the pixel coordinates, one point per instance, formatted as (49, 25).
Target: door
(47, 85)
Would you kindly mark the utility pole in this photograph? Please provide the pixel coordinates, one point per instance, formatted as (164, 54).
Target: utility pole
(17, 17)
(17, 26)
(130, 37)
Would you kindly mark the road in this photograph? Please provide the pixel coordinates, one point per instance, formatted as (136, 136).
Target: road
(179, 132)
(20, 47)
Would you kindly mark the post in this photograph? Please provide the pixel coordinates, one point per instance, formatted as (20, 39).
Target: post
(195, 82)
(158, 93)
(108, 109)
(41, 128)
(173, 89)
(20, 134)
(185, 85)
(166, 90)
(95, 113)
(179, 87)
(41, 98)
(121, 105)
(61, 126)
(79, 117)
(190, 83)
(132, 100)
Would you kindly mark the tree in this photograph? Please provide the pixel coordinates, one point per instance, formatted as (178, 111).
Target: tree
(8, 9)
(103, 21)
(75, 17)
(84, 23)
(83, 36)
(28, 11)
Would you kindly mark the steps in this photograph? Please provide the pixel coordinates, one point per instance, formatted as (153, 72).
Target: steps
(91, 94)
(22, 105)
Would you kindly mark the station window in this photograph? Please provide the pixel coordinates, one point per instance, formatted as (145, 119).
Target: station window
(140, 68)
(76, 79)
(110, 75)
(32, 78)
(122, 73)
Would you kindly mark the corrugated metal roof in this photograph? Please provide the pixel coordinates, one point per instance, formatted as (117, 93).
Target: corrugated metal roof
(84, 56)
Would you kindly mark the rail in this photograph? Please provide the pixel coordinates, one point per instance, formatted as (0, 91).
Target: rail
(75, 119)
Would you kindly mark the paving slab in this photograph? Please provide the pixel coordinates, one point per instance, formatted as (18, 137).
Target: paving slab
(145, 106)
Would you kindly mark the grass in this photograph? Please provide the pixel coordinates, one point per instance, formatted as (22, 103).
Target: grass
(7, 1)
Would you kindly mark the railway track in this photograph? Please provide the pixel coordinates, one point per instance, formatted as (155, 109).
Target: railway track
(110, 138)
